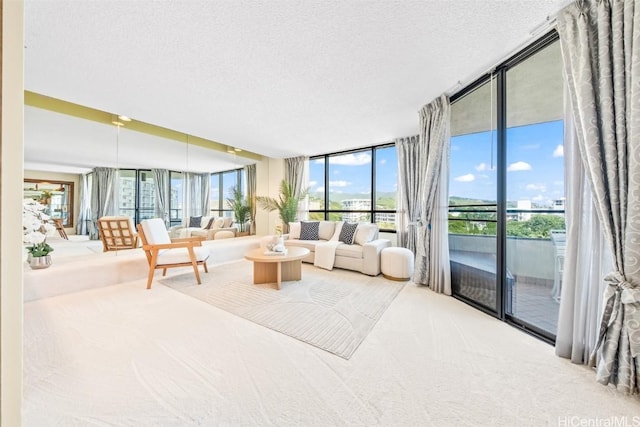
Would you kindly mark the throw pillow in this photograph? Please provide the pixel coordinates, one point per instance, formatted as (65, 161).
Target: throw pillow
(210, 223)
(336, 234)
(227, 222)
(309, 230)
(218, 223)
(294, 230)
(348, 232)
(194, 221)
(365, 233)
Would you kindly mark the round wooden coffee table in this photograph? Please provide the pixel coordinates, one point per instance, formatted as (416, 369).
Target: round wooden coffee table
(277, 268)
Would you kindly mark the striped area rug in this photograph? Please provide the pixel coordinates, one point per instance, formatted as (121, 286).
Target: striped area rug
(332, 310)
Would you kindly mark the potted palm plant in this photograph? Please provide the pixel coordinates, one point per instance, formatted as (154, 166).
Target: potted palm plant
(286, 204)
(241, 209)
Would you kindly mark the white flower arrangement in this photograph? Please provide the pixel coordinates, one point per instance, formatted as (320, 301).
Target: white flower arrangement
(35, 226)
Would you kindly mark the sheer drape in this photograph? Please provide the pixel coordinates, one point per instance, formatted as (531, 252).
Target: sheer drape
(250, 173)
(197, 195)
(587, 259)
(432, 262)
(161, 177)
(103, 197)
(83, 225)
(409, 178)
(295, 173)
(601, 53)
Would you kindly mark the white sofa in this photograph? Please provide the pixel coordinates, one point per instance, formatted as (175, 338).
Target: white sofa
(216, 226)
(363, 255)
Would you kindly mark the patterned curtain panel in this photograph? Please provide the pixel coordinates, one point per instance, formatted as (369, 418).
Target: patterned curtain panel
(103, 197)
(432, 262)
(84, 212)
(601, 53)
(295, 169)
(161, 177)
(250, 173)
(409, 178)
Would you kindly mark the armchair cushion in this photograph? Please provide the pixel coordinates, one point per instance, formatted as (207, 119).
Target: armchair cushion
(155, 231)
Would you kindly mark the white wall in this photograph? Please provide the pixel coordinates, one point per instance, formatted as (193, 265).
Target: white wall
(269, 173)
(11, 161)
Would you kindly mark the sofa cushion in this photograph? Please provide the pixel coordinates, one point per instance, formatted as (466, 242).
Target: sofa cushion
(309, 244)
(309, 230)
(294, 230)
(195, 221)
(217, 223)
(209, 224)
(348, 232)
(350, 251)
(365, 233)
(326, 229)
(227, 222)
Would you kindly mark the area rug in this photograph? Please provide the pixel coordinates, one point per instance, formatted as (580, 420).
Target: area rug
(332, 310)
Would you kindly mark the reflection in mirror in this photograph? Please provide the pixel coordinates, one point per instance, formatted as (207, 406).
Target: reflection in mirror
(57, 196)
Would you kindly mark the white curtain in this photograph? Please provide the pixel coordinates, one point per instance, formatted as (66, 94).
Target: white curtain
(587, 259)
(161, 179)
(103, 197)
(197, 194)
(83, 226)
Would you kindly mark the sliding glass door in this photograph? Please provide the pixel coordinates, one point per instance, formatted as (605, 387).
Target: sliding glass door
(506, 198)
(473, 195)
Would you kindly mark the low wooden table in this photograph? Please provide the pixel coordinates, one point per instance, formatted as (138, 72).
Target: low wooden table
(276, 268)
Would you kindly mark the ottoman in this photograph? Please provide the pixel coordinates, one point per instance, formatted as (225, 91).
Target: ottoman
(397, 263)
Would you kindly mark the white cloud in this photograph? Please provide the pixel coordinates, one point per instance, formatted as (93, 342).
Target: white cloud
(455, 148)
(319, 161)
(540, 198)
(313, 183)
(536, 187)
(351, 159)
(339, 183)
(530, 147)
(519, 166)
(383, 161)
(559, 151)
(483, 167)
(465, 178)
(320, 189)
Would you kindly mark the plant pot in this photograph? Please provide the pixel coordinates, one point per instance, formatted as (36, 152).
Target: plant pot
(40, 262)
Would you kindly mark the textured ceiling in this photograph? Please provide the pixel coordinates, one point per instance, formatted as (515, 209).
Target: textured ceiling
(279, 78)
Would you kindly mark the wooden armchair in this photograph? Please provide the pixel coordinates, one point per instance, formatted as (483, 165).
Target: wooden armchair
(163, 253)
(117, 232)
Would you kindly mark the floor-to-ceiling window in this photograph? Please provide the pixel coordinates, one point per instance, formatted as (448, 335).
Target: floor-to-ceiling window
(176, 198)
(506, 221)
(222, 184)
(355, 186)
(136, 194)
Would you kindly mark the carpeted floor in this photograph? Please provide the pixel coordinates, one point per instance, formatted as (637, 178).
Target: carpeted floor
(332, 310)
(122, 355)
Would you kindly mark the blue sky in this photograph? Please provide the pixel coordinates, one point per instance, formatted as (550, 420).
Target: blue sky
(351, 173)
(535, 164)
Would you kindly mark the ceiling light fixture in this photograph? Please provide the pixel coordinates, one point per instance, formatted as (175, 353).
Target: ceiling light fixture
(237, 149)
(230, 150)
(117, 123)
(124, 118)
